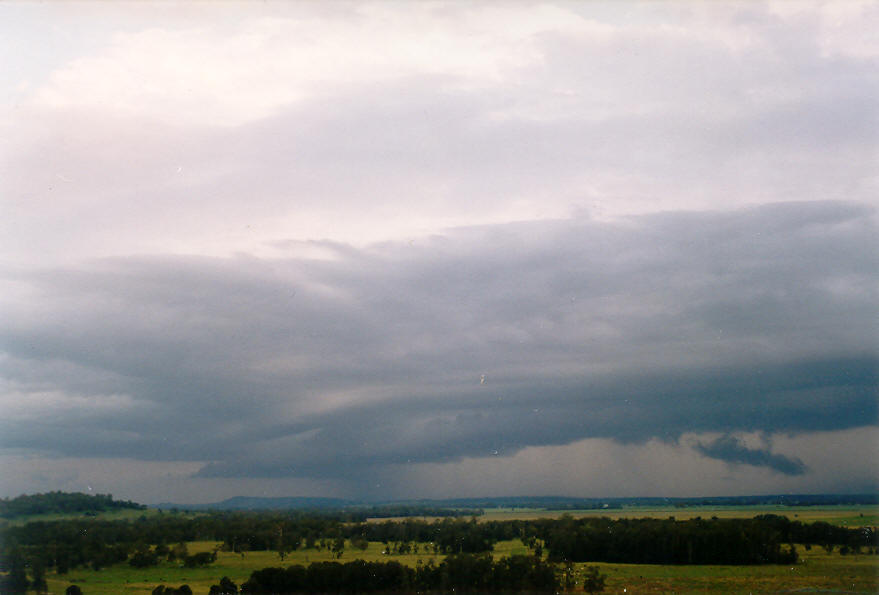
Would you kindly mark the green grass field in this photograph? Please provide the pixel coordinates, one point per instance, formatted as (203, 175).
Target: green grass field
(817, 571)
(845, 516)
(122, 578)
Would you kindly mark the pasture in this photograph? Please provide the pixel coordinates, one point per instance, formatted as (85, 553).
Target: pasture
(816, 571)
(844, 516)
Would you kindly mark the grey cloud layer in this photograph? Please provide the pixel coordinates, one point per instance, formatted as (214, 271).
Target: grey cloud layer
(751, 320)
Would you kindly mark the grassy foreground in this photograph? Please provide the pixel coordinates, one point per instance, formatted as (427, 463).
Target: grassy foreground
(817, 571)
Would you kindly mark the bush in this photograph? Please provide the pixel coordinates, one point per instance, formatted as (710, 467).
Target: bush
(226, 587)
(200, 559)
(593, 581)
(143, 559)
(181, 590)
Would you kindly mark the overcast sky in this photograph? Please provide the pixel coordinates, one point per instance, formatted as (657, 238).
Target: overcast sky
(393, 250)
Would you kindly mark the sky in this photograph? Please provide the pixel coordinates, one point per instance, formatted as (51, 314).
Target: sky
(439, 249)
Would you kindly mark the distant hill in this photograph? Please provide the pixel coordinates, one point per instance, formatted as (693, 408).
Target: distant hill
(62, 503)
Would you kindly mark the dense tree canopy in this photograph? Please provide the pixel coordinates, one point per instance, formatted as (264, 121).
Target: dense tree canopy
(460, 573)
(63, 503)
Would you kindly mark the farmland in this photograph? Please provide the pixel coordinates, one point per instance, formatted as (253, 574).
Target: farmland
(842, 515)
(817, 569)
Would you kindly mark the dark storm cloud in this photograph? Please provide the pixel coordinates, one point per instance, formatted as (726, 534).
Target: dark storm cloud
(478, 342)
(631, 409)
(733, 450)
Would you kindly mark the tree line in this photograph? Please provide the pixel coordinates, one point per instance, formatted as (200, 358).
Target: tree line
(62, 503)
(764, 539)
(654, 541)
(66, 544)
(414, 510)
(459, 573)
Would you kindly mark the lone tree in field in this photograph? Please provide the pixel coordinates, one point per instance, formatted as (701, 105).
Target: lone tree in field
(38, 570)
(338, 547)
(593, 581)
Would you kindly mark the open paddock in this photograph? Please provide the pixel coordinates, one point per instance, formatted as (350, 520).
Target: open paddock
(817, 571)
(844, 516)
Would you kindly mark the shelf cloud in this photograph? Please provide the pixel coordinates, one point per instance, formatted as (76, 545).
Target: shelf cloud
(479, 342)
(347, 249)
